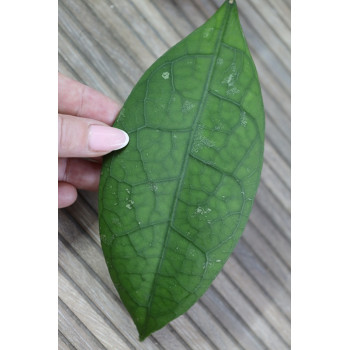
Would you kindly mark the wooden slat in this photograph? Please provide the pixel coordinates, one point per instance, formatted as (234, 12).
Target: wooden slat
(268, 57)
(270, 17)
(91, 319)
(82, 69)
(279, 166)
(259, 300)
(276, 185)
(72, 327)
(230, 320)
(238, 301)
(267, 255)
(263, 276)
(268, 35)
(209, 326)
(271, 232)
(94, 54)
(282, 10)
(107, 45)
(105, 37)
(63, 342)
(273, 208)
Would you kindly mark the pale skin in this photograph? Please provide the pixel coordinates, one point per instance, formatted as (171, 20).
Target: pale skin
(85, 134)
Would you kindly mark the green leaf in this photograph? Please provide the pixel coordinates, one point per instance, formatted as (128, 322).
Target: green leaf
(174, 202)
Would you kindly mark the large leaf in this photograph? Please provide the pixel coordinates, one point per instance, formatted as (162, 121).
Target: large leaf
(175, 201)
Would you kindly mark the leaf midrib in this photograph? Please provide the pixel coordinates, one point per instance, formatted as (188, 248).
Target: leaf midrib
(190, 144)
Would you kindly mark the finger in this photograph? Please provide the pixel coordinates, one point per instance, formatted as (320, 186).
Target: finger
(82, 174)
(67, 194)
(80, 100)
(83, 137)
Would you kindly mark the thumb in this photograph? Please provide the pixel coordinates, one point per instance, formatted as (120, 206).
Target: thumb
(83, 137)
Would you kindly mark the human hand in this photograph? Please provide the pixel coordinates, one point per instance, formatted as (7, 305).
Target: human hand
(84, 131)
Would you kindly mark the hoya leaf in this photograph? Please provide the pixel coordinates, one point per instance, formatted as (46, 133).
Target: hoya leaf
(174, 202)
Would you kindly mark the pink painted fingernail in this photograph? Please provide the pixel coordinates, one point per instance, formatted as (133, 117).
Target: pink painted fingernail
(105, 138)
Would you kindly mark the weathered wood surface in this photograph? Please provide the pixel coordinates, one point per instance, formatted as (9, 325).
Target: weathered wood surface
(108, 44)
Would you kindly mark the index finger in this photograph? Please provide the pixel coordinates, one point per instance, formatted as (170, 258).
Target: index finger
(80, 100)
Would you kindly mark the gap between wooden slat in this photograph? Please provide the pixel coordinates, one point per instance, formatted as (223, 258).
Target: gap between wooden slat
(78, 302)
(76, 330)
(190, 11)
(270, 231)
(221, 339)
(268, 254)
(246, 13)
(281, 119)
(206, 7)
(63, 342)
(110, 42)
(258, 271)
(146, 34)
(272, 123)
(282, 10)
(174, 17)
(276, 186)
(80, 64)
(159, 24)
(65, 69)
(252, 317)
(115, 23)
(219, 324)
(94, 53)
(278, 165)
(262, 303)
(268, 36)
(231, 320)
(280, 143)
(268, 14)
(267, 283)
(259, 49)
(211, 342)
(270, 205)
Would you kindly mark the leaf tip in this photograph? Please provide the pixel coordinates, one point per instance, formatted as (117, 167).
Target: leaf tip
(143, 335)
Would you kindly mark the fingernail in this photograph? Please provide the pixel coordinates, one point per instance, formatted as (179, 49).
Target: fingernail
(105, 138)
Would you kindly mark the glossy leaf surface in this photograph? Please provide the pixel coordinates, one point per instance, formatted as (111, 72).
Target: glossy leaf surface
(174, 202)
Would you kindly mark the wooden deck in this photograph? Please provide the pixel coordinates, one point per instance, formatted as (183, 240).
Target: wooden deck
(108, 44)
